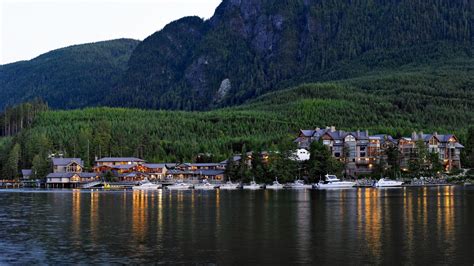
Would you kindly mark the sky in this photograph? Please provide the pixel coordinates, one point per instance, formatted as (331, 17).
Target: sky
(29, 28)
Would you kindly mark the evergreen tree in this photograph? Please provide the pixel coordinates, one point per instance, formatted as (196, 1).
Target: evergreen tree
(41, 167)
(11, 170)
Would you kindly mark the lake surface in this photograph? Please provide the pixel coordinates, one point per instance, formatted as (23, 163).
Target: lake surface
(364, 226)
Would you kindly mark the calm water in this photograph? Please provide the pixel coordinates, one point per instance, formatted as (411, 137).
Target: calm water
(364, 226)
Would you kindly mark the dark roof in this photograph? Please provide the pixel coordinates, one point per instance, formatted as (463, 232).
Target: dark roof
(26, 172)
(307, 133)
(120, 159)
(210, 172)
(69, 175)
(66, 161)
(206, 164)
(155, 165)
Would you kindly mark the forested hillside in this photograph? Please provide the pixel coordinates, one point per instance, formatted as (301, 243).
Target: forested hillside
(251, 47)
(71, 77)
(438, 98)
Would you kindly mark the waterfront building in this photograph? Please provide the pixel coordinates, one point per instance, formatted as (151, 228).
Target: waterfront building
(68, 173)
(119, 165)
(156, 171)
(26, 174)
(360, 151)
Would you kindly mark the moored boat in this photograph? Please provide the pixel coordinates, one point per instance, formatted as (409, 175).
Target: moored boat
(205, 185)
(229, 186)
(146, 185)
(388, 183)
(253, 186)
(299, 184)
(275, 185)
(331, 181)
(180, 186)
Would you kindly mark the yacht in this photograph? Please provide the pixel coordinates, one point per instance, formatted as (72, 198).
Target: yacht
(275, 185)
(333, 182)
(145, 185)
(229, 186)
(299, 184)
(253, 186)
(179, 186)
(205, 185)
(388, 183)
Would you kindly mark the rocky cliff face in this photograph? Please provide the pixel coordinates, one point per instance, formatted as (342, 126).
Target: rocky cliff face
(264, 45)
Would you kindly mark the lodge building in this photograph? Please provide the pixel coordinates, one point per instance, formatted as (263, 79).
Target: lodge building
(68, 173)
(360, 151)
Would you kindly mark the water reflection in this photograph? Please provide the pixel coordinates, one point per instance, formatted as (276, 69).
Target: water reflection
(76, 213)
(371, 226)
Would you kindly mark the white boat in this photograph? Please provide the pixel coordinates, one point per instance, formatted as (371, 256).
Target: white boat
(253, 186)
(388, 183)
(333, 182)
(179, 186)
(229, 186)
(299, 184)
(275, 185)
(205, 185)
(146, 185)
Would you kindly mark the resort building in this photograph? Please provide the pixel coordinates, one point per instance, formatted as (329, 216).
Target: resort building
(68, 173)
(196, 171)
(360, 151)
(119, 165)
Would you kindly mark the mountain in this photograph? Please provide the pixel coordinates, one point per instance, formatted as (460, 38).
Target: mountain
(250, 47)
(71, 77)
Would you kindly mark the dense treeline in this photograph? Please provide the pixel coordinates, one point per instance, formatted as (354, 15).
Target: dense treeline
(16, 118)
(422, 100)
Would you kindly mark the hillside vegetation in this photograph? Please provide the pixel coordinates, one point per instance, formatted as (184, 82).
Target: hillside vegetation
(71, 77)
(422, 99)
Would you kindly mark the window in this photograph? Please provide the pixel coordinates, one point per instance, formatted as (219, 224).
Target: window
(362, 148)
(337, 154)
(362, 154)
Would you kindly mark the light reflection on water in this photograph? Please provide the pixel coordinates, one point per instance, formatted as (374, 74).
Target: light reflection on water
(371, 226)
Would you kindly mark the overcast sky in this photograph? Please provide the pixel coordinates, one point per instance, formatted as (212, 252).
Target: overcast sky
(29, 28)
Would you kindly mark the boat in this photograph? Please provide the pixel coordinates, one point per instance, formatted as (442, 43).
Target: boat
(230, 186)
(299, 184)
(275, 185)
(388, 183)
(333, 182)
(205, 185)
(253, 186)
(145, 185)
(179, 186)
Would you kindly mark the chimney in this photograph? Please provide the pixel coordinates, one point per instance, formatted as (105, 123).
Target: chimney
(366, 132)
(318, 129)
(413, 135)
(333, 128)
(358, 132)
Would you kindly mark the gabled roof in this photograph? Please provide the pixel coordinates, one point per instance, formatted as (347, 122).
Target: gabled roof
(307, 133)
(120, 159)
(67, 161)
(124, 166)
